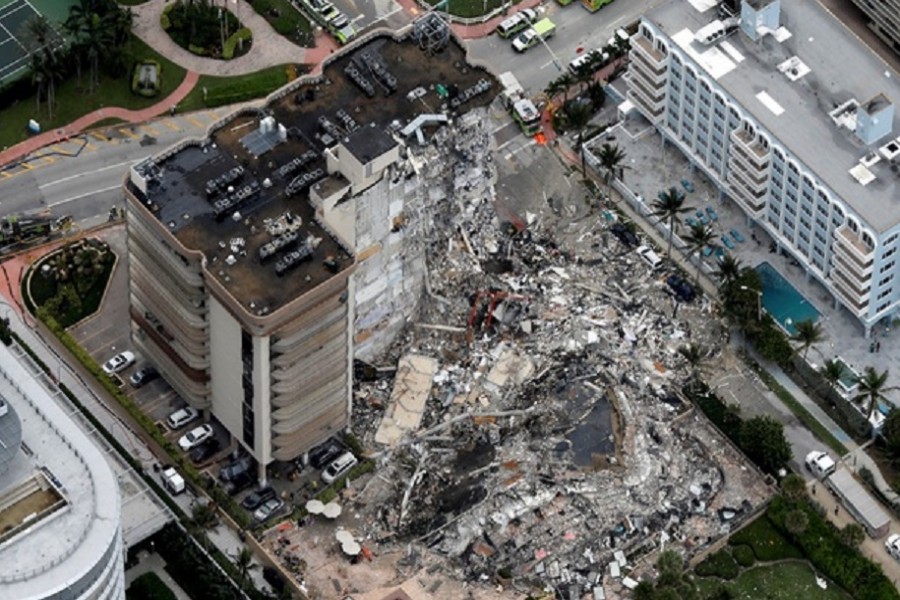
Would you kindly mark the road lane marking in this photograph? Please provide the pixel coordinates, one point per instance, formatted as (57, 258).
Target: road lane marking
(128, 133)
(170, 124)
(85, 174)
(118, 186)
(196, 123)
(150, 129)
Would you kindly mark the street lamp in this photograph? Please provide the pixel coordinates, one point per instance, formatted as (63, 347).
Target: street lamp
(758, 301)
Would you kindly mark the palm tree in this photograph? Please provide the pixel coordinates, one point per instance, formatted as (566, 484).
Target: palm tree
(94, 35)
(695, 354)
(566, 80)
(697, 239)
(244, 563)
(729, 269)
(668, 205)
(610, 157)
(872, 388)
(578, 117)
(37, 35)
(831, 372)
(808, 332)
(553, 88)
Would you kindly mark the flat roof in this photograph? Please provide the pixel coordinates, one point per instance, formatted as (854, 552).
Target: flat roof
(62, 547)
(796, 112)
(362, 98)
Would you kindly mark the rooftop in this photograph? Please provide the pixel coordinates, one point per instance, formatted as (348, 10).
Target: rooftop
(245, 189)
(59, 491)
(794, 105)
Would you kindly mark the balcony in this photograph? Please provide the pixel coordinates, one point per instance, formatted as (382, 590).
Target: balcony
(644, 47)
(851, 244)
(651, 105)
(652, 87)
(756, 180)
(756, 154)
(841, 259)
(656, 73)
(855, 304)
(860, 287)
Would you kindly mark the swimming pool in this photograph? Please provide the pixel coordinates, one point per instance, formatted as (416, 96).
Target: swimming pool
(782, 300)
(847, 381)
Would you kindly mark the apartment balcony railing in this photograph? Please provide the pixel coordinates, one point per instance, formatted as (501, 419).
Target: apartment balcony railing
(756, 152)
(846, 239)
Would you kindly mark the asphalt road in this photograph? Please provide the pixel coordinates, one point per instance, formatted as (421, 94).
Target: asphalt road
(576, 28)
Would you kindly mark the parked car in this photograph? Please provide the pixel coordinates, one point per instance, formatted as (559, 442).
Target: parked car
(624, 234)
(205, 451)
(892, 545)
(727, 241)
(712, 214)
(649, 256)
(274, 578)
(182, 417)
(820, 464)
(172, 481)
(195, 437)
(143, 376)
(683, 290)
(738, 236)
(325, 452)
(119, 362)
(339, 467)
(238, 483)
(257, 498)
(235, 468)
(268, 509)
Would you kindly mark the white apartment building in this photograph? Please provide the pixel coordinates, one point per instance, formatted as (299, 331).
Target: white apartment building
(793, 120)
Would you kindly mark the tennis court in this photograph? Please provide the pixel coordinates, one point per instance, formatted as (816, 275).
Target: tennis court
(13, 16)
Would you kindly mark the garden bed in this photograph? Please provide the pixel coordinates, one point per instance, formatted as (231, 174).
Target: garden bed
(203, 29)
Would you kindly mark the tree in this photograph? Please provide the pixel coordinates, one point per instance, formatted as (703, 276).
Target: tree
(831, 372)
(794, 487)
(796, 521)
(610, 157)
(46, 65)
(695, 355)
(204, 515)
(891, 432)
(578, 118)
(244, 563)
(762, 439)
(852, 535)
(729, 269)
(670, 563)
(807, 333)
(667, 206)
(872, 389)
(699, 237)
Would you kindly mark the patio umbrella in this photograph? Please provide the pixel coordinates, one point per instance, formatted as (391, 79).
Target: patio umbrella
(315, 507)
(351, 548)
(332, 510)
(343, 536)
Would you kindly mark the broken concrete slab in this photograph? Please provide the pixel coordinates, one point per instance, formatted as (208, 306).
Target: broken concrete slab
(412, 387)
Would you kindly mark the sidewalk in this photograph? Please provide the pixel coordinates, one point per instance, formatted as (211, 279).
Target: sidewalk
(47, 138)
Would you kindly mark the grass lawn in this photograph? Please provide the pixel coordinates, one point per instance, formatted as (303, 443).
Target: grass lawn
(765, 541)
(290, 22)
(149, 587)
(228, 90)
(793, 580)
(471, 8)
(72, 100)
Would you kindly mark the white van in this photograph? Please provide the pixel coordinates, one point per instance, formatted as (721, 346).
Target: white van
(172, 481)
(649, 256)
(339, 467)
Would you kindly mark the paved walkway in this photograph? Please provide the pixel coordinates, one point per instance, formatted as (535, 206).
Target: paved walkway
(155, 563)
(268, 49)
(47, 138)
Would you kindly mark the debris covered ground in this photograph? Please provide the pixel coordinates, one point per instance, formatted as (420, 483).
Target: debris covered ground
(527, 424)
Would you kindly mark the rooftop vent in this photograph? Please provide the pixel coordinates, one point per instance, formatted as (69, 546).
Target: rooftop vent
(891, 149)
(794, 68)
(845, 114)
(759, 17)
(874, 119)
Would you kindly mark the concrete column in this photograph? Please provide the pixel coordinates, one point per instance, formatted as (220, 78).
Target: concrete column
(261, 475)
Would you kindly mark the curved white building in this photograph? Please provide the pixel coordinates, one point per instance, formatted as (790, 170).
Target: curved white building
(60, 512)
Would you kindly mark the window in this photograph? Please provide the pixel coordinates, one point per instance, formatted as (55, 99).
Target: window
(882, 307)
(887, 267)
(890, 253)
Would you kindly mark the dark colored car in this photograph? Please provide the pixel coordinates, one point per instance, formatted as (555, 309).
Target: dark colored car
(238, 483)
(205, 450)
(235, 468)
(683, 290)
(143, 376)
(257, 498)
(273, 578)
(325, 452)
(624, 234)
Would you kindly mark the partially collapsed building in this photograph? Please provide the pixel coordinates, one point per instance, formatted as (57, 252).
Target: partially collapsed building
(262, 256)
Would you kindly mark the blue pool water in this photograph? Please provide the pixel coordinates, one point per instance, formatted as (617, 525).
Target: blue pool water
(782, 300)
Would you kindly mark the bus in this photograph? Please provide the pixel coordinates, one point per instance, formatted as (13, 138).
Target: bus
(595, 5)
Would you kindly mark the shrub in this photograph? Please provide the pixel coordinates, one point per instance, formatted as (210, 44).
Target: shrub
(146, 89)
(149, 587)
(164, 20)
(743, 555)
(198, 50)
(241, 35)
(721, 564)
(765, 541)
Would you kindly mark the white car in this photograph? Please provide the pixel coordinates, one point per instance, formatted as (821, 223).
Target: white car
(195, 437)
(268, 509)
(182, 417)
(338, 467)
(119, 362)
(820, 464)
(892, 545)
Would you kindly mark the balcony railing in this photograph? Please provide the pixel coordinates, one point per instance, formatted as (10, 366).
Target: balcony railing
(647, 49)
(655, 71)
(859, 287)
(756, 152)
(841, 259)
(654, 100)
(859, 251)
(743, 196)
(758, 181)
(854, 304)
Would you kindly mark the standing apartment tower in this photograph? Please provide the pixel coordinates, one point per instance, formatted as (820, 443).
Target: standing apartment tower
(793, 120)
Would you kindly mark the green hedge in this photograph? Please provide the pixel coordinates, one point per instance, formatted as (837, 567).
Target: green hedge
(198, 50)
(821, 542)
(721, 564)
(149, 587)
(164, 17)
(231, 43)
(766, 543)
(743, 555)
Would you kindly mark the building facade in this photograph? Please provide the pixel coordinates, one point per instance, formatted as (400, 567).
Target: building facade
(59, 500)
(883, 18)
(798, 136)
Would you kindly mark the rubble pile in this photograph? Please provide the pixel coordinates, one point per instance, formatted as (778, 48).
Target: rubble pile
(553, 445)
